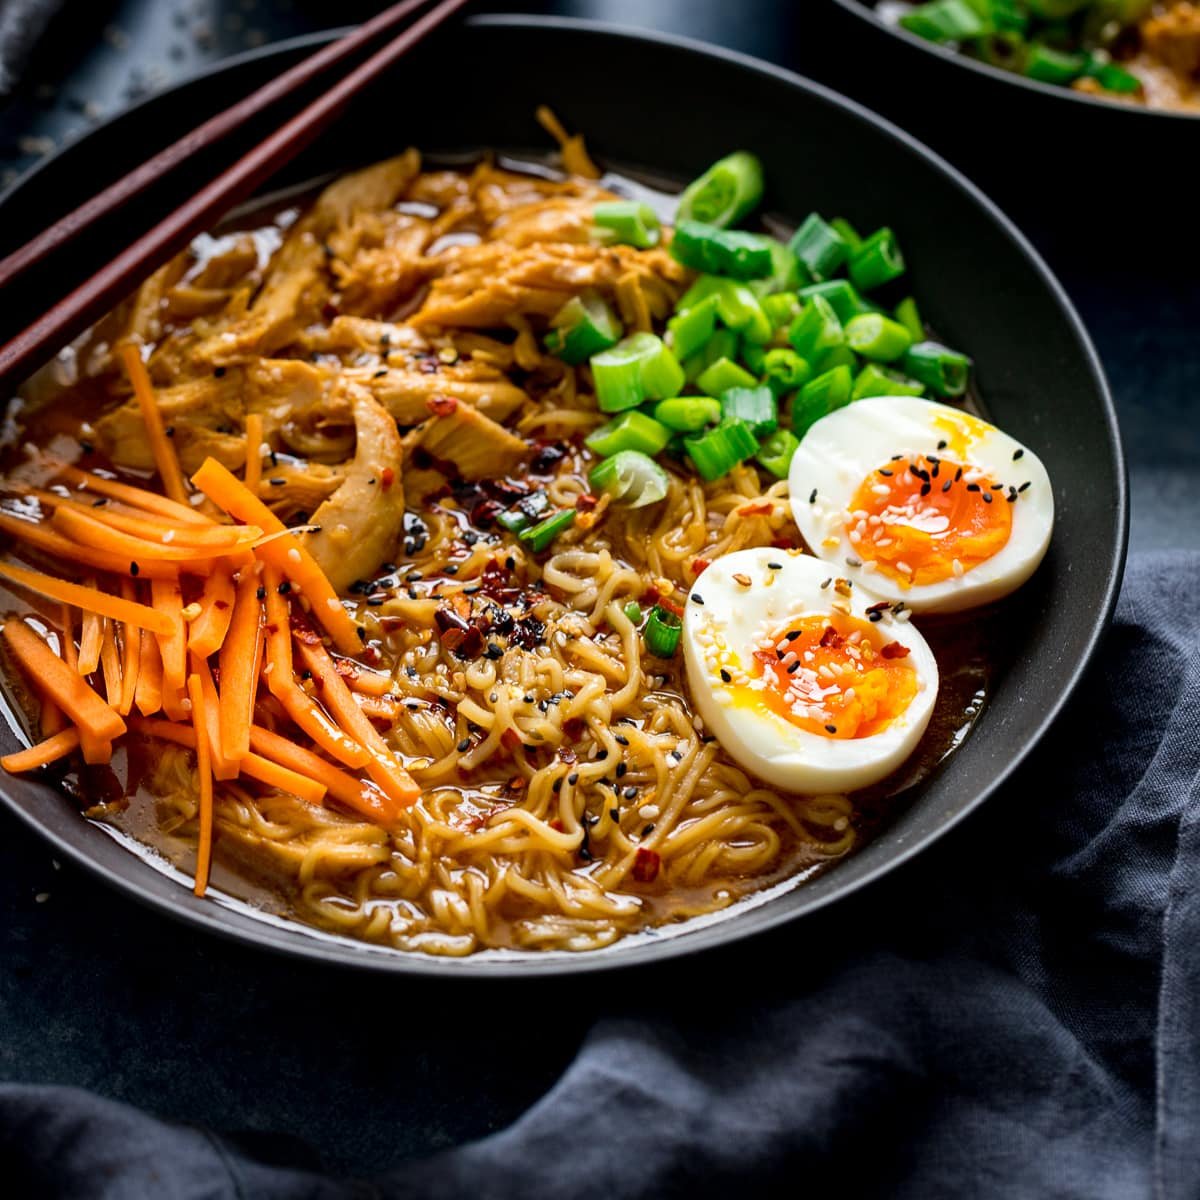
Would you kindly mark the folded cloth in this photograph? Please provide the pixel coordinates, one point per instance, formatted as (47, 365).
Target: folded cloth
(1016, 1014)
(21, 24)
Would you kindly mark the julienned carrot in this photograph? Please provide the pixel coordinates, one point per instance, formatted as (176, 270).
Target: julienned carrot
(110, 665)
(135, 497)
(205, 780)
(97, 723)
(89, 598)
(146, 525)
(383, 767)
(362, 679)
(281, 680)
(207, 631)
(131, 654)
(172, 647)
(254, 766)
(360, 795)
(43, 754)
(223, 767)
(160, 444)
(241, 661)
(51, 719)
(254, 441)
(46, 539)
(382, 708)
(70, 653)
(149, 694)
(285, 552)
(88, 531)
(91, 634)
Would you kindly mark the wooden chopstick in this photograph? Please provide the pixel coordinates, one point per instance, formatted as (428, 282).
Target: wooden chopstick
(129, 186)
(93, 297)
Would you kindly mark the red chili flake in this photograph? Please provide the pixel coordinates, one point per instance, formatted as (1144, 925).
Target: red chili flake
(573, 728)
(387, 477)
(567, 756)
(371, 656)
(783, 543)
(517, 783)
(586, 502)
(758, 508)
(894, 650)
(441, 406)
(557, 826)
(831, 638)
(646, 864)
(329, 311)
(700, 565)
(510, 739)
(221, 604)
(670, 605)
(649, 596)
(272, 628)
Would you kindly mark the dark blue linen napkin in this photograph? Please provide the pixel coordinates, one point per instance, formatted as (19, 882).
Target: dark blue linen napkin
(1016, 1014)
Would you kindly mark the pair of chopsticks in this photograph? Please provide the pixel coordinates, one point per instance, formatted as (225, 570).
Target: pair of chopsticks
(94, 296)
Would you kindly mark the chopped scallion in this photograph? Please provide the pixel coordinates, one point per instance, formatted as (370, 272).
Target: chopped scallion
(638, 368)
(819, 247)
(544, 532)
(688, 414)
(584, 326)
(877, 261)
(630, 477)
(944, 372)
(821, 396)
(723, 375)
(663, 631)
(718, 451)
(877, 337)
(628, 222)
(726, 252)
(777, 450)
(725, 193)
(756, 406)
(631, 430)
(876, 380)
(688, 332)
(816, 329)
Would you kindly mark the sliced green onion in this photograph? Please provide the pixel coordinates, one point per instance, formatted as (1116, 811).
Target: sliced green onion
(688, 332)
(633, 612)
(723, 375)
(628, 222)
(639, 367)
(1048, 65)
(716, 251)
(816, 329)
(725, 343)
(630, 431)
(1056, 10)
(784, 370)
(777, 450)
(819, 397)
(786, 270)
(687, 414)
(874, 380)
(909, 316)
(944, 372)
(584, 326)
(754, 357)
(631, 477)
(877, 337)
(663, 631)
(781, 309)
(544, 532)
(725, 193)
(842, 296)
(1005, 48)
(847, 232)
(1111, 77)
(756, 406)
(524, 513)
(877, 261)
(819, 247)
(737, 305)
(945, 21)
(718, 451)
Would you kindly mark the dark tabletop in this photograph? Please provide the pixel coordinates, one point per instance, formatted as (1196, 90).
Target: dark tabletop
(96, 992)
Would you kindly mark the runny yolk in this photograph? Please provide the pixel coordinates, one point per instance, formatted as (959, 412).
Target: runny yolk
(836, 676)
(923, 519)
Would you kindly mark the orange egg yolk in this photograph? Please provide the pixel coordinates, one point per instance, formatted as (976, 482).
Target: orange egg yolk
(923, 519)
(836, 676)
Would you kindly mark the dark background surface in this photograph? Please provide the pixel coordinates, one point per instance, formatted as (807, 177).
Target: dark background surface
(95, 992)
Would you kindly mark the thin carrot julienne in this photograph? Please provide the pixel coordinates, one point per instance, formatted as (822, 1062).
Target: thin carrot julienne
(131, 654)
(172, 647)
(88, 531)
(254, 440)
(223, 767)
(204, 771)
(135, 497)
(207, 631)
(160, 444)
(241, 661)
(45, 752)
(110, 665)
(46, 539)
(91, 634)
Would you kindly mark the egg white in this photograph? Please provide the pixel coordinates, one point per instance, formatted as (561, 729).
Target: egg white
(725, 618)
(846, 446)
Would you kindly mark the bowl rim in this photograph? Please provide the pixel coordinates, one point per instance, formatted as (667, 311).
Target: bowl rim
(866, 12)
(294, 940)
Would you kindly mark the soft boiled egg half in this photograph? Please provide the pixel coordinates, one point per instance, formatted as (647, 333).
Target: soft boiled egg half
(921, 503)
(809, 682)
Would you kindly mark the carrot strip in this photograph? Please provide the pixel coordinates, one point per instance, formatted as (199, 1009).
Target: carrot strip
(360, 795)
(50, 719)
(149, 694)
(362, 679)
(241, 661)
(382, 708)
(168, 600)
(82, 527)
(208, 630)
(43, 754)
(135, 497)
(254, 766)
(254, 441)
(224, 768)
(110, 665)
(89, 598)
(160, 444)
(54, 543)
(204, 772)
(131, 643)
(285, 552)
(70, 653)
(281, 681)
(91, 634)
(98, 724)
(383, 767)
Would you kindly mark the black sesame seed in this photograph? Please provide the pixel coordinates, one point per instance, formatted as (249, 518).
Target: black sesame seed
(510, 562)
(1018, 454)
(987, 497)
(133, 568)
(812, 496)
(362, 633)
(793, 668)
(494, 651)
(556, 786)
(697, 598)
(726, 677)
(284, 588)
(622, 770)
(972, 487)
(218, 372)
(1023, 486)
(170, 431)
(376, 601)
(615, 813)
(897, 457)
(630, 793)
(947, 485)
(87, 447)
(827, 582)
(958, 475)
(620, 739)
(602, 753)
(792, 634)
(875, 616)
(261, 593)
(925, 488)
(306, 674)
(573, 778)
(831, 729)
(647, 831)
(854, 562)
(884, 471)
(464, 745)
(277, 482)
(1011, 497)
(774, 566)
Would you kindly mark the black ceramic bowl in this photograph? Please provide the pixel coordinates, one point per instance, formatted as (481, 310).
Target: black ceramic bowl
(979, 283)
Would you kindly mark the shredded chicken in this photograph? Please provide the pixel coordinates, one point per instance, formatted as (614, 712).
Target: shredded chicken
(477, 446)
